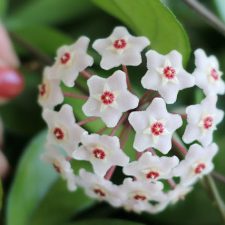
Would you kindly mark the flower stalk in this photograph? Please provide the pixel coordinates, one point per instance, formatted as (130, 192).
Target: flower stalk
(215, 196)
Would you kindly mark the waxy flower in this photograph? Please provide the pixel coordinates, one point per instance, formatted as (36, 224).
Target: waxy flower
(50, 93)
(197, 163)
(202, 120)
(100, 188)
(166, 75)
(208, 74)
(102, 151)
(71, 60)
(63, 131)
(140, 185)
(61, 165)
(120, 48)
(151, 168)
(139, 196)
(109, 98)
(154, 127)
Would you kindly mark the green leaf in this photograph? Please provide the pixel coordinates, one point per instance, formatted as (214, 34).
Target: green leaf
(152, 19)
(38, 196)
(105, 221)
(59, 205)
(48, 47)
(43, 38)
(49, 12)
(3, 7)
(32, 181)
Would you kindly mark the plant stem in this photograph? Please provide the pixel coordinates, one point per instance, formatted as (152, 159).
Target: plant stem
(88, 120)
(206, 14)
(179, 146)
(123, 139)
(124, 135)
(76, 96)
(122, 119)
(124, 68)
(218, 176)
(86, 74)
(101, 131)
(214, 193)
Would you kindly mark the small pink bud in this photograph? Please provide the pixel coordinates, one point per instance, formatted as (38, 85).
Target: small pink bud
(11, 83)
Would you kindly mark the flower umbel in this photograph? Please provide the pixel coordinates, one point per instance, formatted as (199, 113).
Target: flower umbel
(114, 112)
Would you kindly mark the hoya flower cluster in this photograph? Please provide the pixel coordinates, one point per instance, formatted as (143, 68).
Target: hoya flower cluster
(159, 175)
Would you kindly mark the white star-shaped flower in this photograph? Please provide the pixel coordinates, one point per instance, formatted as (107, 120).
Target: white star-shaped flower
(197, 163)
(202, 120)
(100, 188)
(109, 98)
(151, 168)
(154, 127)
(207, 73)
(63, 131)
(102, 151)
(61, 165)
(70, 60)
(179, 193)
(50, 93)
(120, 48)
(142, 196)
(166, 75)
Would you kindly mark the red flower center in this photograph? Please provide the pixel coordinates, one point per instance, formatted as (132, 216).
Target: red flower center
(120, 43)
(214, 74)
(199, 168)
(65, 58)
(152, 175)
(169, 72)
(58, 133)
(208, 122)
(99, 192)
(42, 89)
(99, 153)
(107, 98)
(139, 197)
(157, 128)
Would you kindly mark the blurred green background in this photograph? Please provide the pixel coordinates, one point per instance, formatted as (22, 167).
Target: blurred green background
(33, 193)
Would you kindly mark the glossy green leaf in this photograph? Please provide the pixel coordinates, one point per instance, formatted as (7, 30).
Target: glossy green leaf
(3, 7)
(105, 221)
(43, 38)
(48, 47)
(59, 205)
(152, 19)
(38, 196)
(49, 12)
(32, 181)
